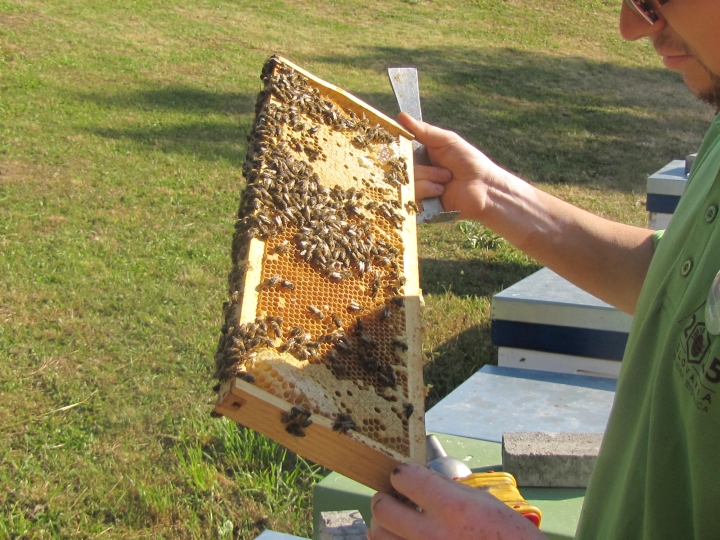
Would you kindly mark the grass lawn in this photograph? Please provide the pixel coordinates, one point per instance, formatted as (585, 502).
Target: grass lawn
(122, 135)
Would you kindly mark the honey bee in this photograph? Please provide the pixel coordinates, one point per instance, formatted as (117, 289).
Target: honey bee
(359, 327)
(392, 377)
(295, 420)
(283, 247)
(275, 327)
(412, 206)
(296, 331)
(336, 320)
(408, 409)
(272, 281)
(286, 345)
(385, 314)
(286, 284)
(262, 327)
(398, 301)
(367, 341)
(344, 423)
(344, 344)
(400, 345)
(389, 379)
(245, 376)
(370, 363)
(264, 218)
(315, 311)
(354, 306)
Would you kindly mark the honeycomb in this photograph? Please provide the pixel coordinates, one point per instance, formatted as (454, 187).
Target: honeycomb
(321, 320)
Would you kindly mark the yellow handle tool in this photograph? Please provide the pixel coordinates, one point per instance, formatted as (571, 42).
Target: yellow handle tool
(501, 485)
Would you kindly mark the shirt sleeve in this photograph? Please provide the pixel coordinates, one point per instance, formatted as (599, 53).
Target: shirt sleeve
(657, 235)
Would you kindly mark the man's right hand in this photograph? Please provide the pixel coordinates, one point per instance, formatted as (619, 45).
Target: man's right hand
(460, 173)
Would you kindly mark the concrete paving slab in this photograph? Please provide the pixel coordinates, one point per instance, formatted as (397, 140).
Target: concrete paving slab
(496, 400)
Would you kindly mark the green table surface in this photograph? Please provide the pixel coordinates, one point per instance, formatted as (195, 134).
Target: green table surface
(560, 507)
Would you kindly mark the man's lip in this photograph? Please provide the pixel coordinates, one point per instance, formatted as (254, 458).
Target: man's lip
(674, 61)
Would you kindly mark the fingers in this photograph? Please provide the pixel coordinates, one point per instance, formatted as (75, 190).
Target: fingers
(429, 181)
(427, 190)
(409, 123)
(438, 175)
(392, 519)
(422, 485)
(425, 133)
(376, 532)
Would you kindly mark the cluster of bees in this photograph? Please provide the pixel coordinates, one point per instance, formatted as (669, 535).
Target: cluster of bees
(292, 89)
(332, 234)
(295, 420)
(298, 418)
(335, 231)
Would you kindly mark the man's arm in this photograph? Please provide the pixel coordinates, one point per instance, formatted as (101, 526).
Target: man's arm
(605, 258)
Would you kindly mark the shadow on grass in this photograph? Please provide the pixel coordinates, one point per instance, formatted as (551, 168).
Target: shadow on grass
(552, 119)
(208, 125)
(176, 98)
(456, 360)
(471, 278)
(209, 140)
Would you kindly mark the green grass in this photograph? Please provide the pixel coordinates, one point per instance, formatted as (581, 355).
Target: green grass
(122, 136)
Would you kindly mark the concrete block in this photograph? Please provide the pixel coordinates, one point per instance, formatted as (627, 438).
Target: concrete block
(543, 459)
(342, 525)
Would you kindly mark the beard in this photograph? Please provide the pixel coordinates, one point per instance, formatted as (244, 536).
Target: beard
(710, 94)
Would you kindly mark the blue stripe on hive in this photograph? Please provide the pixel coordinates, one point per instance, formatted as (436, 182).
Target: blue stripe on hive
(603, 344)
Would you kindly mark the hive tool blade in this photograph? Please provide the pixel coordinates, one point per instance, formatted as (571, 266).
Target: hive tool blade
(404, 83)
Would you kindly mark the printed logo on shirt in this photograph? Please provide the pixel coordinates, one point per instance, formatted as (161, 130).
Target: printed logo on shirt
(699, 370)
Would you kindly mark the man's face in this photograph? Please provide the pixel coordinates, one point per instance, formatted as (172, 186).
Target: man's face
(686, 37)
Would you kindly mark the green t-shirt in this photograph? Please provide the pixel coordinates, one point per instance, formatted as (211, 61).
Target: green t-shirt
(658, 473)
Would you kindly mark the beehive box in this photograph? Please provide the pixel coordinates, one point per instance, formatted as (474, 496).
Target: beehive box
(321, 346)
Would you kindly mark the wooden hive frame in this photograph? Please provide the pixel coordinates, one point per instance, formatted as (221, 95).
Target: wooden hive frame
(345, 451)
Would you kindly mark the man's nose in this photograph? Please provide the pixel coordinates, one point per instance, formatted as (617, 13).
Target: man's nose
(634, 27)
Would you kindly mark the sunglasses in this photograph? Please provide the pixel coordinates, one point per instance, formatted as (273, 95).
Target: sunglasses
(646, 8)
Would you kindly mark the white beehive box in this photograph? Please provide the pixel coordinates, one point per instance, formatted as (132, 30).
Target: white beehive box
(664, 189)
(544, 322)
